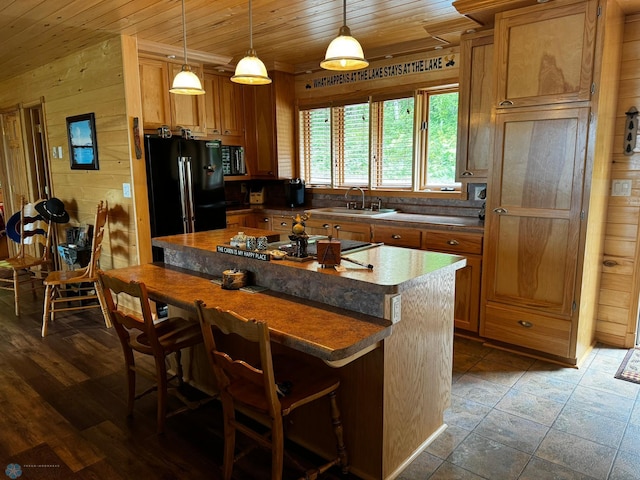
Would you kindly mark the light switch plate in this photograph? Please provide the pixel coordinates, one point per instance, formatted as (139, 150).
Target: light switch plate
(621, 188)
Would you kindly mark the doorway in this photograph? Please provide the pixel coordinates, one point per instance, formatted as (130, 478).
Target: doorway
(24, 166)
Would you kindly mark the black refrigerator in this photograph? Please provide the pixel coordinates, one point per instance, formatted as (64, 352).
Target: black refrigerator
(186, 186)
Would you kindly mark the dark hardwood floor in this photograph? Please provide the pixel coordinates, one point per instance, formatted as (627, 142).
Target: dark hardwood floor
(63, 410)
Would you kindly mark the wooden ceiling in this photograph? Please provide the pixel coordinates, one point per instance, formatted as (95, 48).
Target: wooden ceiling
(293, 32)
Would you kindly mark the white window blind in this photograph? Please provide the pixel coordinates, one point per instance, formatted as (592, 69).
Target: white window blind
(315, 146)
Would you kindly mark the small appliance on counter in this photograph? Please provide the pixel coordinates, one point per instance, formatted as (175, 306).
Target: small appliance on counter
(256, 195)
(294, 192)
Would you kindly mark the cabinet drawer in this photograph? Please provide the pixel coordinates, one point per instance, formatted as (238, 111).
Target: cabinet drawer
(282, 224)
(529, 330)
(400, 237)
(454, 242)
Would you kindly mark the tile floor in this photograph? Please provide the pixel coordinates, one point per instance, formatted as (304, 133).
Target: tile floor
(513, 417)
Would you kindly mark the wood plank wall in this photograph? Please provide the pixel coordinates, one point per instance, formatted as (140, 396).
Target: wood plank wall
(90, 80)
(620, 282)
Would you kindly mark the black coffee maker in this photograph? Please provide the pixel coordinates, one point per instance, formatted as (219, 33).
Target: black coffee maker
(294, 192)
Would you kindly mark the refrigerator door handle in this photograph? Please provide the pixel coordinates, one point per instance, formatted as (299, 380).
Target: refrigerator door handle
(191, 218)
(186, 201)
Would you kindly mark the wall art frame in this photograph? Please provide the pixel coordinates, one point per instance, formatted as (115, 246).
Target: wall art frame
(83, 146)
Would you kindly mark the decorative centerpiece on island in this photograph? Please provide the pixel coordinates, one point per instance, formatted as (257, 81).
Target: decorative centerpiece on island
(299, 237)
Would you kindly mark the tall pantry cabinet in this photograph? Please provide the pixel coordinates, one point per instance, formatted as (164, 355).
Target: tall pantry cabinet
(548, 185)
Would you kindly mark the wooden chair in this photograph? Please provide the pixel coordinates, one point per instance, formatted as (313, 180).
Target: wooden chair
(82, 283)
(273, 388)
(139, 333)
(32, 253)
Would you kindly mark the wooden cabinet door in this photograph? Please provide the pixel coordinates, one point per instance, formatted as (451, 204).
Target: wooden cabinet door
(265, 161)
(231, 107)
(319, 227)
(212, 107)
(236, 221)
(545, 53)
(270, 126)
(352, 231)
(397, 236)
(534, 209)
(154, 88)
(467, 306)
(224, 111)
(475, 119)
(187, 111)
(257, 220)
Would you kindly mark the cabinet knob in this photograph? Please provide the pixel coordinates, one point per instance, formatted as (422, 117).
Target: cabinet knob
(266, 219)
(337, 227)
(283, 224)
(500, 210)
(505, 103)
(453, 242)
(466, 173)
(326, 225)
(610, 263)
(525, 324)
(395, 236)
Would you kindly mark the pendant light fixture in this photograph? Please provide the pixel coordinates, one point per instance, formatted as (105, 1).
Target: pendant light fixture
(186, 82)
(250, 70)
(344, 52)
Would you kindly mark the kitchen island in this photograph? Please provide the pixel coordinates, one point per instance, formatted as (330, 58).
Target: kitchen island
(387, 331)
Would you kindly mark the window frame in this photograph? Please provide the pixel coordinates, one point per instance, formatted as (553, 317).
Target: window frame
(419, 186)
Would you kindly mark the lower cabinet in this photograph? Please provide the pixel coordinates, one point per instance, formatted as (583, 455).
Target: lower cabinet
(337, 229)
(528, 329)
(468, 279)
(236, 221)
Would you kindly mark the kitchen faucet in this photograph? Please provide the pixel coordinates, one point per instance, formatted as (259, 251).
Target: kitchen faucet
(346, 195)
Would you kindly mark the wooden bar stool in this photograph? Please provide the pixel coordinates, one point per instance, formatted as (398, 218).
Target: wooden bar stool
(272, 389)
(139, 333)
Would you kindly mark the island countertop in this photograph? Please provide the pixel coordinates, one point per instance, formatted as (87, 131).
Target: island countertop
(329, 333)
(392, 266)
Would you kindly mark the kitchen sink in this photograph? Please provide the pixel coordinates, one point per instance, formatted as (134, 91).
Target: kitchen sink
(352, 211)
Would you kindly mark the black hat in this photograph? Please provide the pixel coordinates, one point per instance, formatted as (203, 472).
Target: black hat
(53, 210)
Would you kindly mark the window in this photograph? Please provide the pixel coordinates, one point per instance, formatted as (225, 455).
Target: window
(438, 137)
(372, 144)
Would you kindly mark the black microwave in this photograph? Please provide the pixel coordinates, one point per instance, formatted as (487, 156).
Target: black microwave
(233, 160)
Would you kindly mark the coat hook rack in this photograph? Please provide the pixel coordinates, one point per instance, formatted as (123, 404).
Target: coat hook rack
(631, 131)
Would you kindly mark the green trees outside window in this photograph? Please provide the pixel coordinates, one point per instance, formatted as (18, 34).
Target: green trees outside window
(382, 144)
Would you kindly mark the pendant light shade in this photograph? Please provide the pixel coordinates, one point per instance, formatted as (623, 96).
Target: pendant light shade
(344, 52)
(250, 70)
(186, 82)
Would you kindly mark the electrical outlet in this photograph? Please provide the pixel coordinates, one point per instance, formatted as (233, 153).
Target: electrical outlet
(126, 190)
(393, 307)
(396, 308)
(243, 188)
(479, 192)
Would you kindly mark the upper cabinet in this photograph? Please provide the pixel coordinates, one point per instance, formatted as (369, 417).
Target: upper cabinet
(545, 55)
(224, 109)
(475, 123)
(159, 107)
(269, 112)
